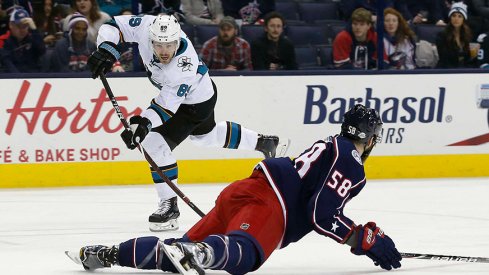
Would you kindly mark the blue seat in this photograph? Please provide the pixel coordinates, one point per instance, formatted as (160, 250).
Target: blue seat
(288, 10)
(205, 32)
(326, 56)
(334, 30)
(188, 29)
(307, 35)
(312, 11)
(306, 57)
(428, 32)
(251, 32)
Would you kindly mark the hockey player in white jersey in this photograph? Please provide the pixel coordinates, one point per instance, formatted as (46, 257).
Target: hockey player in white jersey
(184, 106)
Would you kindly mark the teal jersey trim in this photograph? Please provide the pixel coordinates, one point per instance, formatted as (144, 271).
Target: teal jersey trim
(183, 47)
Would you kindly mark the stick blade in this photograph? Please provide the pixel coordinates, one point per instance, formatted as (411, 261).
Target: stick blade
(74, 256)
(282, 147)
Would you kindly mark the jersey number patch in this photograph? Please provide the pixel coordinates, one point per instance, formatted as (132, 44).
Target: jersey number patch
(308, 158)
(183, 90)
(135, 21)
(341, 188)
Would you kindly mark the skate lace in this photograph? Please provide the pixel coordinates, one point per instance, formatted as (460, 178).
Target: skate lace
(163, 207)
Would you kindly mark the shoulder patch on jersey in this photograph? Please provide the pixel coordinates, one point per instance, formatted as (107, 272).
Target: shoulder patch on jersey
(185, 63)
(356, 156)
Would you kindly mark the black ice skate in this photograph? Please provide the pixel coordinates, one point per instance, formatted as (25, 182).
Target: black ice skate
(190, 258)
(271, 147)
(95, 256)
(165, 217)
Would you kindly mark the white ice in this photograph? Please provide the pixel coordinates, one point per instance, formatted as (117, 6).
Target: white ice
(443, 216)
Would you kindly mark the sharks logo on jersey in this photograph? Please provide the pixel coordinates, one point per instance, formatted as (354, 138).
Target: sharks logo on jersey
(185, 63)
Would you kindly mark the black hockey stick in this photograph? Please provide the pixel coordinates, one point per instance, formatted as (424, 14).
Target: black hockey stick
(435, 257)
(141, 149)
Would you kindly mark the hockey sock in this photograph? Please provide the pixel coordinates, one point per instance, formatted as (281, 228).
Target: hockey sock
(144, 253)
(235, 254)
(164, 190)
(229, 135)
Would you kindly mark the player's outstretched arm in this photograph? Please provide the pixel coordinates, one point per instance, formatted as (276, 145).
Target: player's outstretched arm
(371, 241)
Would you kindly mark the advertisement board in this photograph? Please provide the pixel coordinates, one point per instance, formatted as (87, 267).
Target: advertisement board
(65, 132)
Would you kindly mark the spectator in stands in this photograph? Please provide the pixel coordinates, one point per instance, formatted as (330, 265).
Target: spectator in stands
(249, 11)
(356, 47)
(453, 43)
(348, 6)
(227, 51)
(399, 41)
(91, 10)
(45, 20)
(427, 11)
(114, 7)
(23, 48)
(72, 51)
(202, 12)
(272, 51)
(483, 53)
(3, 19)
(155, 7)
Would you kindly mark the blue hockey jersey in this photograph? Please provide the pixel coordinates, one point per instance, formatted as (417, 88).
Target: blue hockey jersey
(314, 188)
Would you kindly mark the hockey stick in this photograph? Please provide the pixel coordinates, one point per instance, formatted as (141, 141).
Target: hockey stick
(435, 257)
(141, 149)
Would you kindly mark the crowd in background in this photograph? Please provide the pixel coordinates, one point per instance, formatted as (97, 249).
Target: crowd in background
(59, 35)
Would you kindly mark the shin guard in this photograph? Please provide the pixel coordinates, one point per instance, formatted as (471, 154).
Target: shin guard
(235, 254)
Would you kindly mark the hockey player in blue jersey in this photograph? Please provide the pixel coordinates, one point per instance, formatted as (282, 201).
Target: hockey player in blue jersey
(281, 202)
(183, 107)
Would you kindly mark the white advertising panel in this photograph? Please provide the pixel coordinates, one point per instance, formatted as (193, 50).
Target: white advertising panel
(72, 120)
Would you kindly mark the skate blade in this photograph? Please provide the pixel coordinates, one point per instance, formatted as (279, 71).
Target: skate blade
(175, 255)
(171, 225)
(282, 147)
(74, 256)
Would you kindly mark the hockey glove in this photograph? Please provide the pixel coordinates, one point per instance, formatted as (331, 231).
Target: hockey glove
(102, 59)
(372, 241)
(140, 127)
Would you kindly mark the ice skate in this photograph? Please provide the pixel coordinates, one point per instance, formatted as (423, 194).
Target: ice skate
(272, 146)
(165, 217)
(190, 258)
(95, 256)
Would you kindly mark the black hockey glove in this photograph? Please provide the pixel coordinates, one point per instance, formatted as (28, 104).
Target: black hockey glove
(102, 59)
(140, 127)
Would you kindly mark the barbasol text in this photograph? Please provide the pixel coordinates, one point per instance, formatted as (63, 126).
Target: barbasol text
(321, 107)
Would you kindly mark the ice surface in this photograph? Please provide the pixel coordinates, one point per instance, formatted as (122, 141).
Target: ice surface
(443, 216)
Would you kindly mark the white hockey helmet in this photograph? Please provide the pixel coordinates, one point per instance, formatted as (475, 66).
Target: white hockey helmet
(165, 28)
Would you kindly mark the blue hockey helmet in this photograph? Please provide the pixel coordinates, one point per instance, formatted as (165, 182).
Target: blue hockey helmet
(361, 123)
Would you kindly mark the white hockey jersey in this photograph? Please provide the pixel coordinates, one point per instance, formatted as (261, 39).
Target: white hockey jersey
(183, 81)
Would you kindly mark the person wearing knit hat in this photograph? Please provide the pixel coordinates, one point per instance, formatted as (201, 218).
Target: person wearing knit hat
(453, 43)
(227, 51)
(459, 7)
(71, 52)
(76, 17)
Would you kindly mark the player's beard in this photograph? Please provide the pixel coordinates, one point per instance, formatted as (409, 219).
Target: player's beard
(165, 59)
(366, 153)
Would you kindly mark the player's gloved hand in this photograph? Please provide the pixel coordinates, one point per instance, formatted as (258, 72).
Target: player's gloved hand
(102, 59)
(372, 241)
(140, 127)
